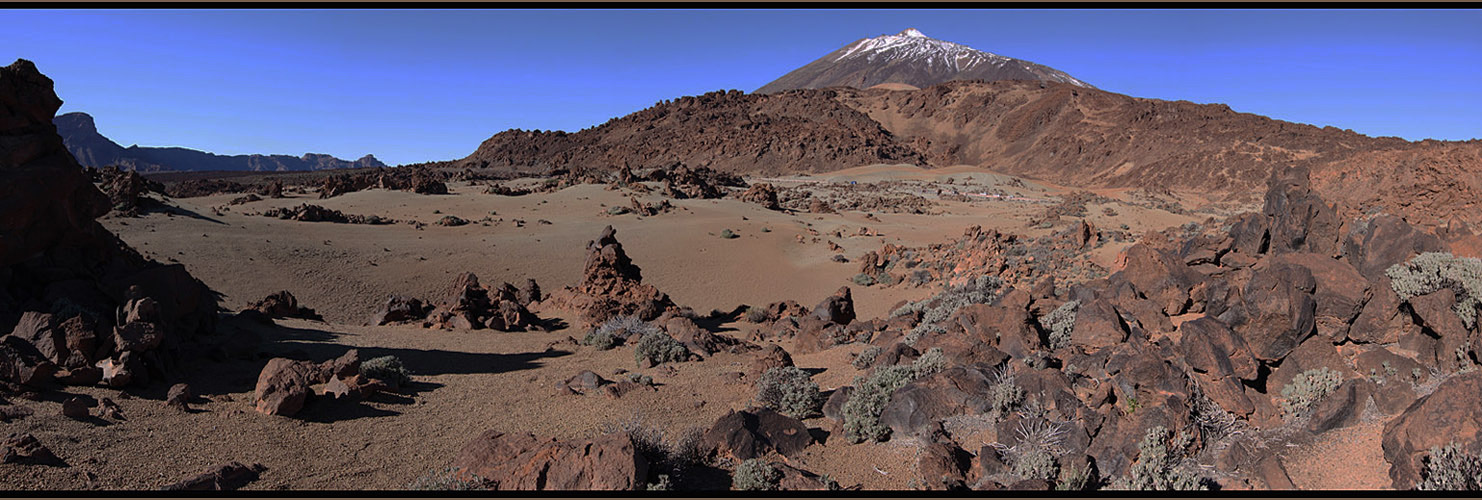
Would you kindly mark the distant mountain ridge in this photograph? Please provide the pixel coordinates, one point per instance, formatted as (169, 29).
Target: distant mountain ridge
(80, 133)
(910, 58)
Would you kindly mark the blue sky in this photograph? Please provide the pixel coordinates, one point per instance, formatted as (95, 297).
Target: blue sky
(415, 85)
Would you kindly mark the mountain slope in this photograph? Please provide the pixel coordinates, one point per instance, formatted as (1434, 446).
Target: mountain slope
(730, 131)
(1062, 133)
(92, 149)
(910, 58)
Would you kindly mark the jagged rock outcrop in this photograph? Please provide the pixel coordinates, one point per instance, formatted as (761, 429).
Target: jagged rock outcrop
(612, 285)
(107, 305)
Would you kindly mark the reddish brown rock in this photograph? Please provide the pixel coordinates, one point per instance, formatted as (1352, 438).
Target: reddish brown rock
(1299, 220)
(612, 286)
(283, 387)
(1375, 245)
(226, 477)
(1453, 413)
(1341, 292)
(283, 304)
(772, 356)
(179, 397)
(762, 194)
(398, 309)
(1097, 326)
(957, 391)
(753, 433)
(1277, 311)
(1380, 320)
(524, 462)
(76, 408)
(26, 449)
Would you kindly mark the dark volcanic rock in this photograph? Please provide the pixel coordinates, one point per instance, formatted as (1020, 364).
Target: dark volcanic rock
(25, 449)
(524, 462)
(753, 433)
(225, 477)
(1451, 414)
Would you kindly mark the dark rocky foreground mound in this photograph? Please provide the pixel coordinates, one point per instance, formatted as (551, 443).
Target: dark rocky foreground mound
(79, 305)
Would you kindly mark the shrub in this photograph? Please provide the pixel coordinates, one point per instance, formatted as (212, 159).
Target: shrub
(664, 484)
(863, 279)
(789, 390)
(448, 479)
(1432, 271)
(757, 315)
(624, 327)
(600, 339)
(756, 475)
(932, 361)
(1158, 464)
(1451, 468)
(862, 410)
(388, 369)
(1059, 324)
(1004, 395)
(1309, 387)
(647, 440)
(1033, 455)
(658, 348)
(728, 234)
(937, 309)
(866, 357)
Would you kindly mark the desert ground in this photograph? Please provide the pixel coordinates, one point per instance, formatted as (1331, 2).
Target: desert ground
(466, 382)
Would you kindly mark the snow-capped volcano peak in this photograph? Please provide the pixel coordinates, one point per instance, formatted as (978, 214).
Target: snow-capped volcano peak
(912, 58)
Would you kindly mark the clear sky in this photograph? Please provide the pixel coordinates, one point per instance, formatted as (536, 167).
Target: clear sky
(416, 85)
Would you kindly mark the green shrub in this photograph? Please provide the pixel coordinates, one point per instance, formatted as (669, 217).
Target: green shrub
(1432, 271)
(659, 348)
(388, 369)
(932, 361)
(448, 479)
(863, 279)
(599, 339)
(866, 357)
(1451, 468)
(862, 410)
(1158, 466)
(756, 475)
(728, 234)
(1308, 388)
(1059, 324)
(790, 391)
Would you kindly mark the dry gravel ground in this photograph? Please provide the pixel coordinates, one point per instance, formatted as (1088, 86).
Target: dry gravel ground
(467, 382)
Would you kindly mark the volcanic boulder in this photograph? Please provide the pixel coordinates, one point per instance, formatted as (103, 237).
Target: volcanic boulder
(753, 433)
(523, 462)
(1452, 413)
